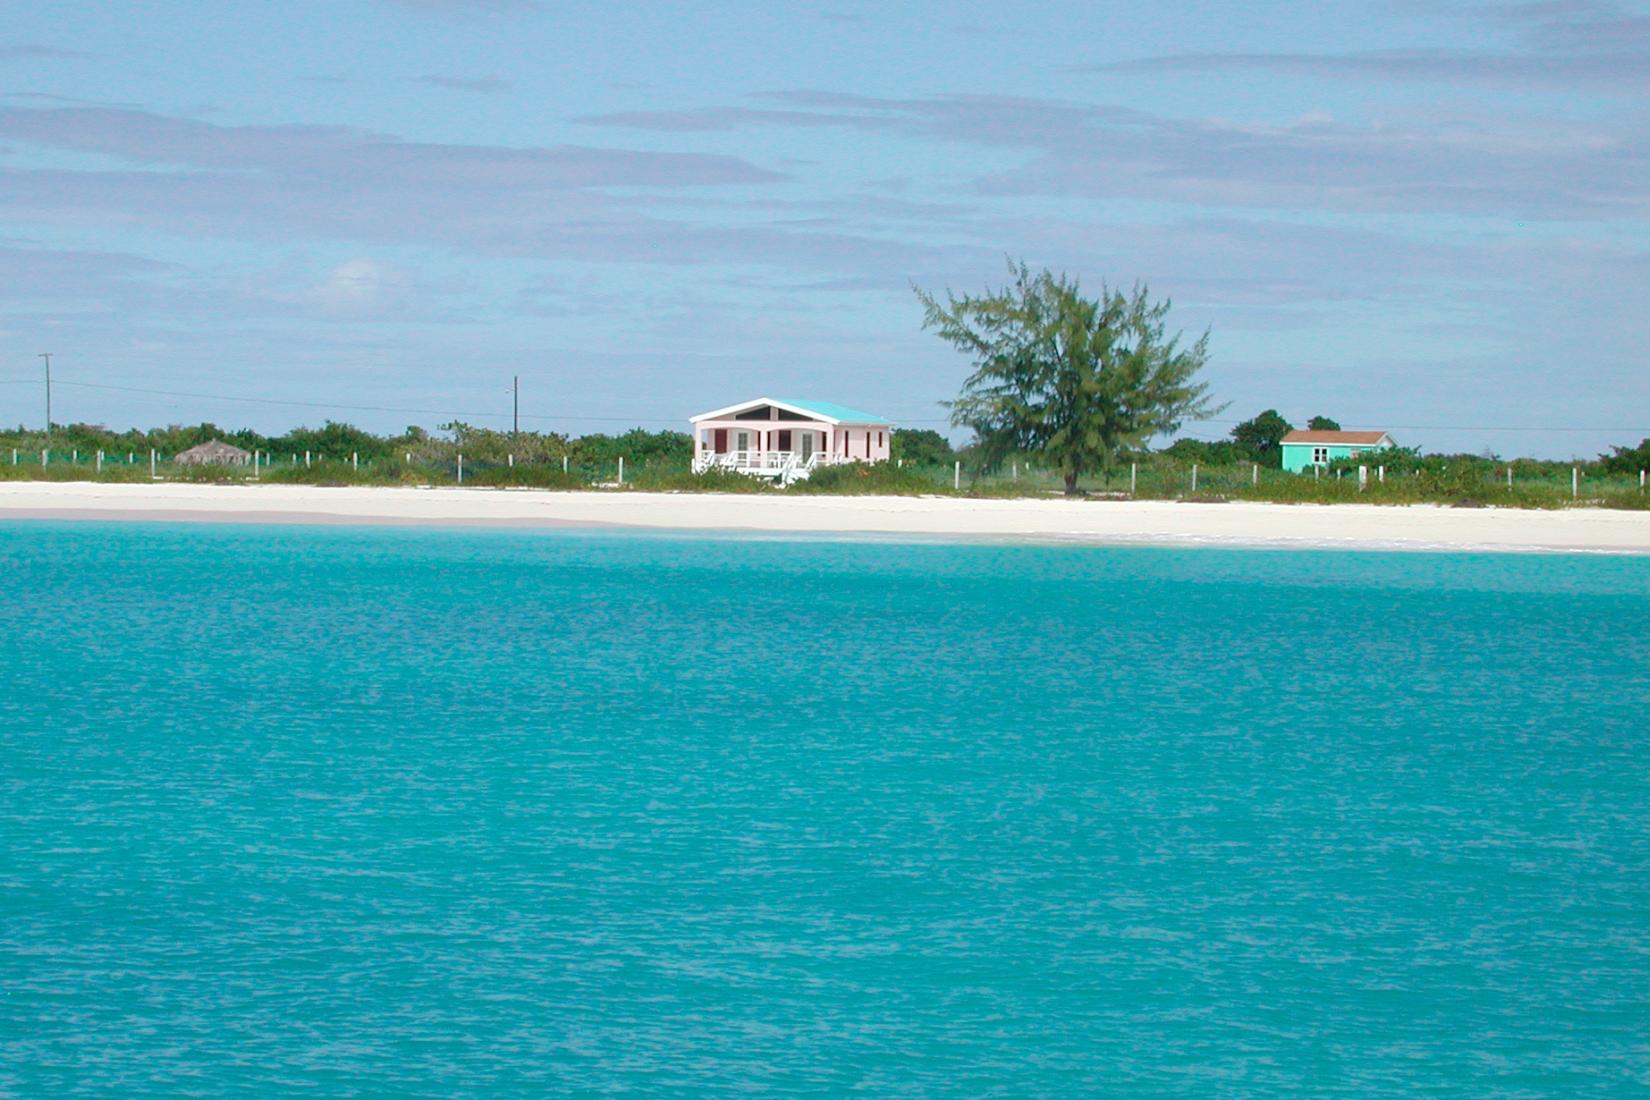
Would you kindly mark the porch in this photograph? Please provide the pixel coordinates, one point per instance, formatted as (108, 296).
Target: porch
(782, 466)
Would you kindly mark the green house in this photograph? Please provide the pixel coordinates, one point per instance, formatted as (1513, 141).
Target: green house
(1303, 449)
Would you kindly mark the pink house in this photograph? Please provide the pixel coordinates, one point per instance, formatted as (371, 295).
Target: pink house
(786, 439)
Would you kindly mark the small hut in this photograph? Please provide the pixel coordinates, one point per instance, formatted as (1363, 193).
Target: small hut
(1303, 449)
(214, 452)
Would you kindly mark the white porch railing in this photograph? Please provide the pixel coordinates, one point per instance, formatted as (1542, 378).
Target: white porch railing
(785, 466)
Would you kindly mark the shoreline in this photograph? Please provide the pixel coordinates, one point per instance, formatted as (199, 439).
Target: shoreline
(1065, 522)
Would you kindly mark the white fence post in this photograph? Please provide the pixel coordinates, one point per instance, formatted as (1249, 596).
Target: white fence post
(1575, 482)
(564, 464)
(44, 458)
(512, 462)
(1509, 477)
(354, 460)
(100, 462)
(306, 460)
(621, 469)
(1194, 477)
(151, 464)
(1134, 468)
(1381, 473)
(1016, 474)
(1254, 475)
(461, 468)
(1363, 478)
(1641, 472)
(956, 475)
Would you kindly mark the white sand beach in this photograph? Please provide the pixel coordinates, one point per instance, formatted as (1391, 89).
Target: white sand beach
(1418, 527)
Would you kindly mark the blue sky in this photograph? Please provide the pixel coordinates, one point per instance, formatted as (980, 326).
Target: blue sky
(1418, 215)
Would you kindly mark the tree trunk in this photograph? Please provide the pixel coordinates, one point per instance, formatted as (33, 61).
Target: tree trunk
(1071, 483)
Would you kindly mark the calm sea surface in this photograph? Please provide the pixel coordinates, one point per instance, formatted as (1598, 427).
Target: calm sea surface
(297, 810)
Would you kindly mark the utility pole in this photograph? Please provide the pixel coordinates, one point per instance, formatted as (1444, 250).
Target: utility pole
(515, 406)
(47, 356)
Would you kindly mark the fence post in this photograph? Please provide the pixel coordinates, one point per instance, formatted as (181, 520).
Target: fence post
(1016, 471)
(1363, 478)
(621, 469)
(306, 460)
(100, 462)
(1575, 482)
(461, 467)
(255, 456)
(14, 458)
(1641, 472)
(1254, 475)
(564, 464)
(354, 460)
(956, 475)
(74, 457)
(1194, 477)
(1381, 473)
(151, 464)
(1134, 468)
(512, 461)
(1317, 472)
(45, 457)
(1509, 477)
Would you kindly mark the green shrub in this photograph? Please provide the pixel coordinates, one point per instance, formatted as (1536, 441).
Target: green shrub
(686, 481)
(523, 476)
(874, 479)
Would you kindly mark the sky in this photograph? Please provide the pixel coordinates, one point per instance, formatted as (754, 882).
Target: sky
(1422, 216)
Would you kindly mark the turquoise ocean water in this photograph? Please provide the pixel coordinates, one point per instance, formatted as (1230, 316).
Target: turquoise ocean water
(321, 811)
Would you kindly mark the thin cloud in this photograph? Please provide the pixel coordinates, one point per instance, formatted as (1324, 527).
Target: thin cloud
(33, 51)
(341, 184)
(1563, 43)
(1629, 68)
(315, 152)
(1494, 165)
(468, 7)
(45, 273)
(482, 85)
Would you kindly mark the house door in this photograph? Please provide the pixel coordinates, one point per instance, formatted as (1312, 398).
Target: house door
(807, 445)
(721, 441)
(741, 441)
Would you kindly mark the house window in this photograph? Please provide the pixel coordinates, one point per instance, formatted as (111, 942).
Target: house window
(1320, 456)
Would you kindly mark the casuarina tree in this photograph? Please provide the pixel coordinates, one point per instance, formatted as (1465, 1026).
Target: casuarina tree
(1072, 380)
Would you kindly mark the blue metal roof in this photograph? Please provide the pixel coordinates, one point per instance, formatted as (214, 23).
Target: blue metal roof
(833, 410)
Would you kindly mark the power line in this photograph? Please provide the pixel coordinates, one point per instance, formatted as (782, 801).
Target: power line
(354, 408)
(338, 407)
(391, 408)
